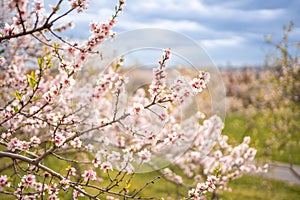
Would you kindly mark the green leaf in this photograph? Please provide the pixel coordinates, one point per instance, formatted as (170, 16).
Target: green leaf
(40, 62)
(32, 79)
(16, 109)
(56, 46)
(35, 99)
(17, 95)
(127, 185)
(32, 74)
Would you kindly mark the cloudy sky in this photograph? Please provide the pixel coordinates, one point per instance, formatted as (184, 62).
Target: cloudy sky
(232, 32)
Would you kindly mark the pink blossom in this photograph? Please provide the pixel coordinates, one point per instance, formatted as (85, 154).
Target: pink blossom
(71, 171)
(28, 180)
(199, 83)
(59, 139)
(106, 166)
(89, 175)
(193, 194)
(4, 182)
(65, 183)
(30, 197)
(201, 187)
(170, 139)
(144, 155)
(167, 54)
(24, 145)
(35, 141)
(77, 193)
(239, 161)
(126, 167)
(9, 29)
(212, 179)
(38, 186)
(47, 96)
(53, 197)
(250, 154)
(137, 108)
(67, 81)
(76, 143)
(120, 84)
(163, 117)
(54, 91)
(246, 140)
(13, 144)
(53, 190)
(38, 4)
(97, 161)
(113, 156)
(178, 179)
(5, 135)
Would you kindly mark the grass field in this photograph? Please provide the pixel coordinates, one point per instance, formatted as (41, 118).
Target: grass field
(237, 126)
(247, 187)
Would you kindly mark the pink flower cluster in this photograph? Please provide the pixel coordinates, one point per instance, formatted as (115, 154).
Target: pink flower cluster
(59, 139)
(105, 83)
(202, 188)
(15, 144)
(180, 91)
(159, 75)
(80, 5)
(100, 32)
(199, 83)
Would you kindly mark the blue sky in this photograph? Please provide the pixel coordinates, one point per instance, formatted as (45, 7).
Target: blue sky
(231, 31)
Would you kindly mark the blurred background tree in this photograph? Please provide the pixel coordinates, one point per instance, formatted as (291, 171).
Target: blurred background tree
(266, 101)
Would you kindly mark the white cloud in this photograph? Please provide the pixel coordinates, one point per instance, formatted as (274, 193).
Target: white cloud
(196, 8)
(182, 25)
(250, 15)
(217, 43)
(236, 26)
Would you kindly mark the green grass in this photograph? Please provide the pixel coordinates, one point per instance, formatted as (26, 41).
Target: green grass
(237, 126)
(249, 187)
